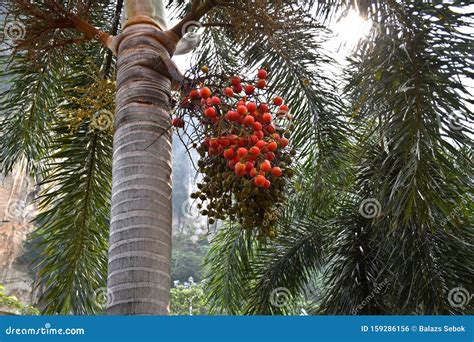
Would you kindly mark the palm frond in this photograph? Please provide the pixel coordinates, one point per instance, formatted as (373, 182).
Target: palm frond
(228, 268)
(285, 266)
(73, 224)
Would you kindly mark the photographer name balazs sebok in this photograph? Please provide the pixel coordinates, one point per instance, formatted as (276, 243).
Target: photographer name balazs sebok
(446, 328)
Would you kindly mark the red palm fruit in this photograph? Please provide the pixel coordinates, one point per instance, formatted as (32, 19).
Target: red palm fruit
(178, 122)
(262, 173)
(249, 89)
(261, 84)
(261, 144)
(213, 151)
(278, 101)
(270, 128)
(214, 143)
(194, 94)
(237, 88)
(259, 134)
(276, 171)
(232, 138)
(249, 120)
(229, 92)
(283, 142)
(259, 180)
(207, 141)
(248, 166)
(229, 153)
(240, 103)
(262, 73)
(215, 100)
(284, 109)
(272, 146)
(251, 158)
(276, 136)
(210, 113)
(255, 114)
(224, 142)
(242, 110)
(254, 150)
(257, 126)
(240, 173)
(232, 116)
(241, 152)
(265, 166)
(235, 80)
(270, 156)
(264, 108)
(252, 107)
(266, 118)
(205, 92)
(231, 164)
(253, 172)
(253, 139)
(239, 167)
(267, 184)
(242, 142)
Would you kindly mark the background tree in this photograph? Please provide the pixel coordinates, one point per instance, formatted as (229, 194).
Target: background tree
(187, 299)
(10, 305)
(187, 257)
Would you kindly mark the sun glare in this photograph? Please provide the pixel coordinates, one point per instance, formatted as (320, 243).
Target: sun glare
(351, 28)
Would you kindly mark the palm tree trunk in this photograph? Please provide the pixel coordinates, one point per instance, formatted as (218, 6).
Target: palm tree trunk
(140, 228)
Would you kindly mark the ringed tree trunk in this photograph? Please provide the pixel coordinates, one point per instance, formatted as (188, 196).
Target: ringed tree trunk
(140, 227)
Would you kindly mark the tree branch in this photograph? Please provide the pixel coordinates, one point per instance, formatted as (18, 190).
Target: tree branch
(90, 31)
(42, 22)
(197, 12)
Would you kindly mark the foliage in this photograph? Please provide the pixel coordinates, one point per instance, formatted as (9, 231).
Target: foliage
(67, 143)
(187, 257)
(398, 135)
(187, 299)
(408, 134)
(13, 304)
(228, 268)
